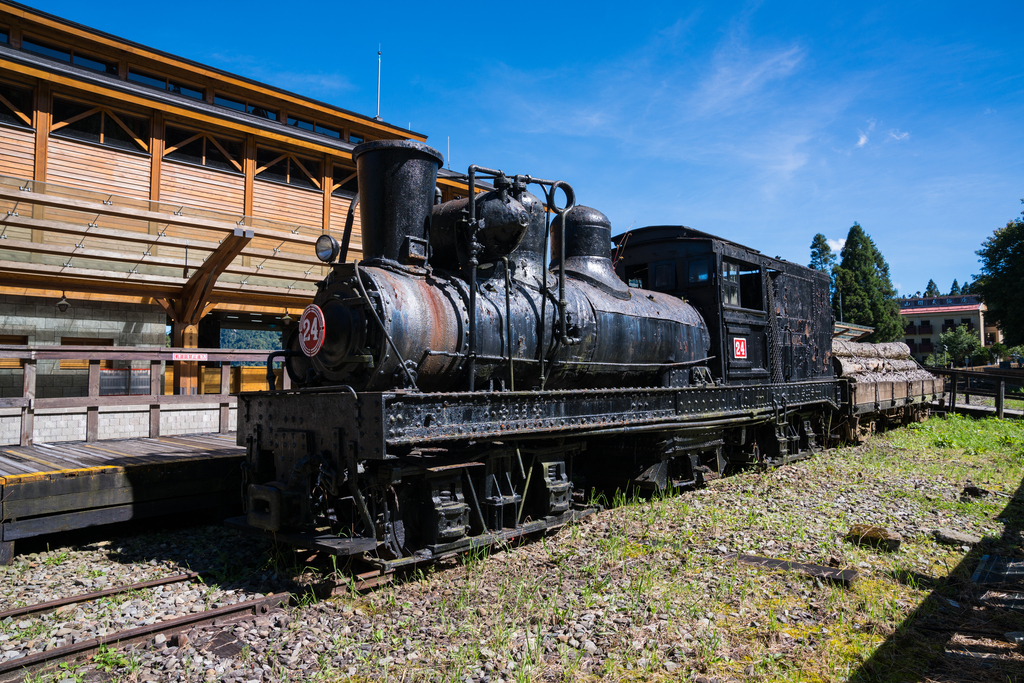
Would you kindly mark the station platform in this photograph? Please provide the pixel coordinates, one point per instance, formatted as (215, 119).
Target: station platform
(54, 487)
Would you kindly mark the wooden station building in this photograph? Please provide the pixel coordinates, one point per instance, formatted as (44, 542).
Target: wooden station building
(144, 189)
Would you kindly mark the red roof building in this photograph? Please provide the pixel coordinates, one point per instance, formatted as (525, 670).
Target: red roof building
(925, 318)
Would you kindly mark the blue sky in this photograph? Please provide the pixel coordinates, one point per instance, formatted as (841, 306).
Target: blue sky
(761, 122)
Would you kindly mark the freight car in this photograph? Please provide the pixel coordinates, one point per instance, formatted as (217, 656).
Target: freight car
(455, 390)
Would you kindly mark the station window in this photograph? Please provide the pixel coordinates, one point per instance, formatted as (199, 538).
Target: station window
(100, 125)
(72, 364)
(246, 107)
(330, 132)
(69, 55)
(287, 168)
(203, 149)
(345, 181)
(5, 36)
(15, 105)
(164, 83)
(300, 123)
(355, 139)
(14, 340)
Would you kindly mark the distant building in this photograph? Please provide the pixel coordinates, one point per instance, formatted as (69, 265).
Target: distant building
(925, 318)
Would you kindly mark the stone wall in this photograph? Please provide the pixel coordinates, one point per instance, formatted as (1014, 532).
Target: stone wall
(40, 321)
(115, 422)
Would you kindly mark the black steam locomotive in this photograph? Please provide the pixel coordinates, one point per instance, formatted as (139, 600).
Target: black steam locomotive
(455, 390)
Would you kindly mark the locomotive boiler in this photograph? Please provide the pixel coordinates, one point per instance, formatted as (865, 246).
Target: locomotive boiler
(454, 388)
(436, 305)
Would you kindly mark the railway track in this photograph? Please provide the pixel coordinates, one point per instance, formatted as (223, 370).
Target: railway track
(172, 629)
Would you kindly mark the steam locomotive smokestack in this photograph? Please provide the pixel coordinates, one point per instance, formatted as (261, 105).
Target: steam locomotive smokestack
(396, 195)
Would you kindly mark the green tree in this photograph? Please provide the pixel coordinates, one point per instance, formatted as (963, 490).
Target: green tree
(954, 290)
(932, 289)
(822, 256)
(864, 294)
(1001, 283)
(960, 343)
(999, 350)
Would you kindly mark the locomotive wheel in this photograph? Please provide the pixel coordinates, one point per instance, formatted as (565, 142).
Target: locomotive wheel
(390, 528)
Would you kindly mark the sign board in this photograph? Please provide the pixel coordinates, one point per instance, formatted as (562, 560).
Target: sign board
(739, 347)
(311, 330)
(190, 356)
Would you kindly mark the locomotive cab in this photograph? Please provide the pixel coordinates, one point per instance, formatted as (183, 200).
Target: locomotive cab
(769, 320)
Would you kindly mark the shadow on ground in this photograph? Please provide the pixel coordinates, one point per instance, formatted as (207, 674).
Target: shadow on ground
(946, 638)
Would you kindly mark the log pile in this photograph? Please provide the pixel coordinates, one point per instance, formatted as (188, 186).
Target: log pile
(888, 362)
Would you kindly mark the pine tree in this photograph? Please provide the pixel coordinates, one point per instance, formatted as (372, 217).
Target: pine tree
(864, 293)
(822, 256)
(932, 289)
(955, 289)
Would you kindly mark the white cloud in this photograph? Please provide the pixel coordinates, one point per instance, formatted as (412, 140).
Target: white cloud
(837, 245)
(896, 134)
(863, 139)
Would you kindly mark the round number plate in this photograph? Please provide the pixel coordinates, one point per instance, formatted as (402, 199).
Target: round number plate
(311, 330)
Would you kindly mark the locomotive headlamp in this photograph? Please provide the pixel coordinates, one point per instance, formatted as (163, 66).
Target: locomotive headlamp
(327, 248)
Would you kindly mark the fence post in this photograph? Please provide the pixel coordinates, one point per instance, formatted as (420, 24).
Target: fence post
(225, 388)
(952, 391)
(92, 413)
(28, 412)
(1000, 394)
(155, 390)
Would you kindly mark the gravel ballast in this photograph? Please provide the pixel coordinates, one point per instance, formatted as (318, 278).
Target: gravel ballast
(643, 591)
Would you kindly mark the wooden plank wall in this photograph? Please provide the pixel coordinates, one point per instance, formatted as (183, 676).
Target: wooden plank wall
(17, 150)
(339, 212)
(97, 168)
(275, 201)
(202, 188)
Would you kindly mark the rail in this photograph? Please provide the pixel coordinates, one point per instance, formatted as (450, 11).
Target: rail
(969, 383)
(94, 400)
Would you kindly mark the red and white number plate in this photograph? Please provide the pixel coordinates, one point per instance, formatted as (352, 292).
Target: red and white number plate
(311, 330)
(739, 347)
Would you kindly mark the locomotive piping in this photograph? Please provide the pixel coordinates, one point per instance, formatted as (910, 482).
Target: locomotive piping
(347, 236)
(383, 328)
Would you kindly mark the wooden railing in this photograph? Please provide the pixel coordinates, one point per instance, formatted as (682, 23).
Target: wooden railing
(29, 404)
(969, 383)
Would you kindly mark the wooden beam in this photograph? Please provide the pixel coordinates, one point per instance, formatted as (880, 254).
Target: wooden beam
(327, 173)
(250, 172)
(43, 117)
(149, 239)
(51, 249)
(75, 119)
(92, 280)
(131, 133)
(28, 393)
(195, 293)
(186, 141)
(224, 152)
(99, 208)
(25, 118)
(156, 147)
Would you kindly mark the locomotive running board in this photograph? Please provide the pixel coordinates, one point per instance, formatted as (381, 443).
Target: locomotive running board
(439, 552)
(335, 545)
(311, 540)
